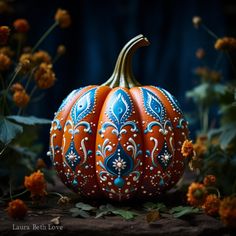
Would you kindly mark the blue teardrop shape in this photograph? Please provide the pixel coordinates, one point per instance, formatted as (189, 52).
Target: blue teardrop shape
(119, 182)
(75, 182)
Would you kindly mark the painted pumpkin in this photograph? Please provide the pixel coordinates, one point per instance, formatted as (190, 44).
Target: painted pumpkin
(119, 140)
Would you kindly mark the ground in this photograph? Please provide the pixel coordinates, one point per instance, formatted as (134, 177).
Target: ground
(39, 219)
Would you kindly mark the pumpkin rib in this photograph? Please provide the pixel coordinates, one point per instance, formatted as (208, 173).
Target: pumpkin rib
(180, 131)
(118, 146)
(61, 112)
(83, 121)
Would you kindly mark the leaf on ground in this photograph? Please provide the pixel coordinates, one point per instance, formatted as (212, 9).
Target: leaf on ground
(79, 213)
(108, 209)
(84, 207)
(180, 211)
(9, 130)
(153, 216)
(159, 206)
(127, 215)
(56, 220)
(29, 120)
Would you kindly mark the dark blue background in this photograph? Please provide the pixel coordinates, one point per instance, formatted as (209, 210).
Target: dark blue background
(101, 28)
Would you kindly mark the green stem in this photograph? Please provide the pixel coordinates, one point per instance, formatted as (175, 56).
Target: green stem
(218, 59)
(205, 120)
(30, 78)
(209, 31)
(44, 36)
(231, 63)
(14, 196)
(18, 68)
(55, 59)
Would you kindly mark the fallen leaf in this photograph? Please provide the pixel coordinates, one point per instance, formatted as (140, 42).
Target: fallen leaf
(153, 216)
(56, 220)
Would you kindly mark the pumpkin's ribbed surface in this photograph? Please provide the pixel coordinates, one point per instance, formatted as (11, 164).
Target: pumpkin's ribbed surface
(118, 142)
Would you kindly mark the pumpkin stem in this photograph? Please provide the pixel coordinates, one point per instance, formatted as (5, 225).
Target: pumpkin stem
(123, 75)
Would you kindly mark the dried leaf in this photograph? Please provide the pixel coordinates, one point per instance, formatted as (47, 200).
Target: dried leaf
(153, 216)
(56, 220)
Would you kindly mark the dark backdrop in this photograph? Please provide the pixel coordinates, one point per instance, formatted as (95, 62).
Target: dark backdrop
(101, 28)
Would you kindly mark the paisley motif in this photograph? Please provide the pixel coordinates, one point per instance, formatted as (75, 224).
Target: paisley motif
(120, 107)
(83, 106)
(68, 98)
(153, 105)
(119, 163)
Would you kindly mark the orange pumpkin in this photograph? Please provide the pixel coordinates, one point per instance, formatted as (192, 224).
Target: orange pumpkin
(119, 140)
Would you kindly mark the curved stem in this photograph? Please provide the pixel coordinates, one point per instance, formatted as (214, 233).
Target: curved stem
(56, 193)
(123, 75)
(53, 26)
(14, 196)
(215, 189)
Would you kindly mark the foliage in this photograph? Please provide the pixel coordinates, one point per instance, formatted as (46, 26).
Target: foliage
(25, 73)
(215, 99)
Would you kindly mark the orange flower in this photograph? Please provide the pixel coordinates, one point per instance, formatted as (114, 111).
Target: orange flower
(17, 209)
(21, 25)
(209, 180)
(200, 53)
(61, 49)
(63, 18)
(187, 148)
(25, 62)
(196, 194)
(211, 205)
(197, 20)
(44, 76)
(4, 34)
(225, 43)
(7, 51)
(17, 87)
(5, 62)
(36, 184)
(41, 56)
(207, 74)
(21, 98)
(227, 211)
(200, 147)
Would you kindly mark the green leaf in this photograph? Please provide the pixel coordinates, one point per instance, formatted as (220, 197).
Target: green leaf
(85, 207)
(159, 206)
(109, 209)
(9, 130)
(79, 213)
(180, 211)
(29, 120)
(228, 134)
(127, 215)
(199, 93)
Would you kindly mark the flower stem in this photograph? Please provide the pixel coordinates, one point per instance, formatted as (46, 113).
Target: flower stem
(209, 31)
(56, 193)
(231, 62)
(14, 196)
(44, 36)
